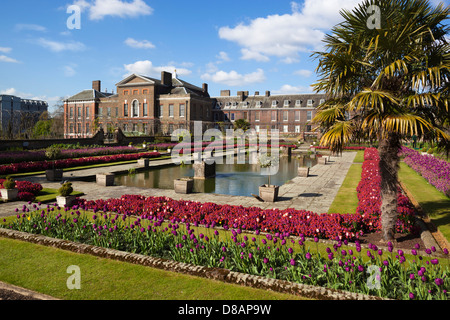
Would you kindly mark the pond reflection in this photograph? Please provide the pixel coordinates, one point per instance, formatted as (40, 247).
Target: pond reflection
(238, 179)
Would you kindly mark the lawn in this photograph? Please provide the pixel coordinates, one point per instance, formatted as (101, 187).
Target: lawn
(49, 195)
(346, 200)
(44, 270)
(434, 203)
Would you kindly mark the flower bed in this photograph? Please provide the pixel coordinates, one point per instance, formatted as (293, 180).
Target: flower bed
(369, 196)
(22, 156)
(345, 148)
(70, 163)
(387, 274)
(27, 190)
(435, 171)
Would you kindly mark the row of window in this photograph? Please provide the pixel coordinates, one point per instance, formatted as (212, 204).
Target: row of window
(231, 116)
(134, 92)
(81, 112)
(274, 104)
(80, 128)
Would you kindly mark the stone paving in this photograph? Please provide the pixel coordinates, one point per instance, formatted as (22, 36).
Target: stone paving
(314, 193)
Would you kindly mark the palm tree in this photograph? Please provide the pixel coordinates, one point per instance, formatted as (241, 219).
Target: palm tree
(391, 81)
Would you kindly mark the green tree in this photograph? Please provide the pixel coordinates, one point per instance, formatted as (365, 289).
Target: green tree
(392, 78)
(241, 124)
(42, 129)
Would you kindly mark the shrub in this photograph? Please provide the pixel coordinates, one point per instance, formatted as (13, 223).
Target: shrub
(66, 189)
(9, 183)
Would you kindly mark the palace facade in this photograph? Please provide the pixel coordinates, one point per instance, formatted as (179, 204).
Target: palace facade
(148, 106)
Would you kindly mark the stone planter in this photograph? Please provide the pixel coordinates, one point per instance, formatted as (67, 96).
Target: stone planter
(105, 179)
(54, 174)
(144, 162)
(322, 160)
(269, 193)
(303, 172)
(65, 201)
(183, 185)
(203, 170)
(9, 194)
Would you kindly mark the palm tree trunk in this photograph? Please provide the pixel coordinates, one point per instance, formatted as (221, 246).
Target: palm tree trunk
(389, 165)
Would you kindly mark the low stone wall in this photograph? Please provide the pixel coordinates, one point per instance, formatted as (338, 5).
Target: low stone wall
(223, 275)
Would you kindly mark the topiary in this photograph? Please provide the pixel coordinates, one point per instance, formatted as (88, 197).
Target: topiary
(66, 189)
(9, 183)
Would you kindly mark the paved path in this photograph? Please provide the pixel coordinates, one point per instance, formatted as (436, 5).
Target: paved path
(314, 193)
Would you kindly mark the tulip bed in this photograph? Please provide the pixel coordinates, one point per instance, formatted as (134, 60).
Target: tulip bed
(369, 196)
(435, 171)
(27, 190)
(388, 274)
(70, 163)
(22, 156)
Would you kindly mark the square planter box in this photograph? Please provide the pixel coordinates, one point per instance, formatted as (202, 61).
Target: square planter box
(203, 170)
(183, 186)
(9, 194)
(144, 162)
(269, 194)
(105, 179)
(54, 174)
(322, 160)
(303, 172)
(65, 201)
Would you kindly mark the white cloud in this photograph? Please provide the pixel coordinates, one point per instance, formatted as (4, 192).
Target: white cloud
(233, 78)
(223, 56)
(253, 55)
(304, 73)
(4, 58)
(30, 27)
(147, 68)
(5, 50)
(69, 70)
(289, 89)
(143, 44)
(99, 9)
(56, 46)
(285, 36)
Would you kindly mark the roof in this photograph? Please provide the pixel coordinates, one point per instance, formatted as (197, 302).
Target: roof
(266, 101)
(90, 94)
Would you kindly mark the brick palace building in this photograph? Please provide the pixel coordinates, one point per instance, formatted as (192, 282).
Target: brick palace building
(158, 106)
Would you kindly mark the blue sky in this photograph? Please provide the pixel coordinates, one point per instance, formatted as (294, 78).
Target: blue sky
(250, 45)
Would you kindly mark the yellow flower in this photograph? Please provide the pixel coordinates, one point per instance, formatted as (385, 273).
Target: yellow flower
(29, 218)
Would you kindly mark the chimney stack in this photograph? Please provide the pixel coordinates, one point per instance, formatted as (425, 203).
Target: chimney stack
(97, 85)
(267, 93)
(225, 93)
(205, 88)
(256, 93)
(166, 78)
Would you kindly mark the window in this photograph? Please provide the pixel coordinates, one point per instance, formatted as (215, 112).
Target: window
(285, 129)
(78, 127)
(125, 110)
(135, 108)
(71, 128)
(145, 128)
(182, 110)
(234, 104)
(286, 103)
(126, 92)
(109, 112)
(244, 104)
(298, 103)
(100, 111)
(125, 127)
(297, 115)
(308, 115)
(145, 110)
(259, 104)
(216, 117)
(232, 117)
(88, 129)
(161, 111)
(274, 104)
(171, 110)
(135, 127)
(117, 111)
(135, 92)
(79, 112)
(257, 116)
(257, 128)
(322, 101)
(308, 128)
(285, 116)
(88, 111)
(71, 113)
(310, 103)
(274, 116)
(145, 91)
(297, 129)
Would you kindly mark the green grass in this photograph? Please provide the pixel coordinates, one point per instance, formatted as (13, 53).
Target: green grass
(434, 203)
(48, 195)
(359, 157)
(44, 270)
(101, 165)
